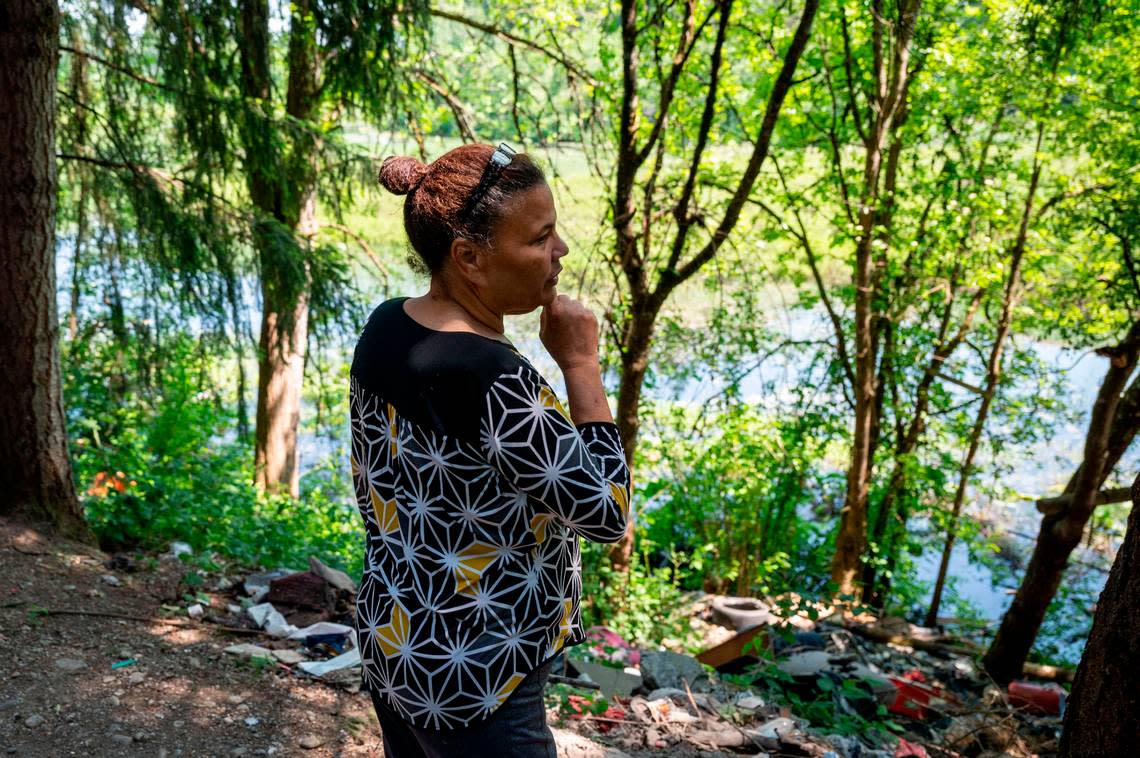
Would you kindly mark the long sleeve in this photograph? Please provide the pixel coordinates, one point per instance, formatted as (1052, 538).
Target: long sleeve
(578, 473)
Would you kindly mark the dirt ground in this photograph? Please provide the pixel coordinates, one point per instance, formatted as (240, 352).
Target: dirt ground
(64, 626)
(60, 696)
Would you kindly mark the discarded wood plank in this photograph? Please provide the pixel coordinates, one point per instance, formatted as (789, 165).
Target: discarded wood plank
(733, 648)
(1049, 673)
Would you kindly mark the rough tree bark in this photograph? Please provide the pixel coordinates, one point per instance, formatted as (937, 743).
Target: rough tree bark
(35, 472)
(282, 185)
(1103, 717)
(1061, 530)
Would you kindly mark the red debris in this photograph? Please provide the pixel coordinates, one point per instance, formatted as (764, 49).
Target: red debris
(1040, 699)
(907, 749)
(912, 697)
(620, 651)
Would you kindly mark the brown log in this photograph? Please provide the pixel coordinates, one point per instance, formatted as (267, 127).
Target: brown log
(952, 646)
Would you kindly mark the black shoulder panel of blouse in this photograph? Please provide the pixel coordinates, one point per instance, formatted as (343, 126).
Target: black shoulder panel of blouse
(434, 379)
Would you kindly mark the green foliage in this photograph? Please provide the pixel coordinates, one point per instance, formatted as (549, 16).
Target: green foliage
(183, 476)
(645, 605)
(736, 499)
(831, 706)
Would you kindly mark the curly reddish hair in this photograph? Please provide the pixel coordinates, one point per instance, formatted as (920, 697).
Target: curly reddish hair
(436, 212)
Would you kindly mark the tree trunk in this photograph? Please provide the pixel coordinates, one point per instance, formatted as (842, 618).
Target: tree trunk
(1103, 717)
(993, 376)
(891, 79)
(283, 188)
(280, 372)
(634, 364)
(35, 472)
(1061, 531)
(645, 301)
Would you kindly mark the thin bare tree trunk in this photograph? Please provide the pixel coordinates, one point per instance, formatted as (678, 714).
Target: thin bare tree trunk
(1061, 531)
(35, 471)
(890, 80)
(646, 299)
(993, 377)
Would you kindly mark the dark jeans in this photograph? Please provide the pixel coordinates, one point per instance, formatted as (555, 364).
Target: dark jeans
(516, 729)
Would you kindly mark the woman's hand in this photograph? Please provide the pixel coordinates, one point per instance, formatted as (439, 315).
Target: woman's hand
(570, 333)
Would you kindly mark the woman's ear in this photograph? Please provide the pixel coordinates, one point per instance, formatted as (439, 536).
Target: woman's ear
(467, 258)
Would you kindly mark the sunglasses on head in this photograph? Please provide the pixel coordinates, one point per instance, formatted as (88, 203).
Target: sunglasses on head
(499, 160)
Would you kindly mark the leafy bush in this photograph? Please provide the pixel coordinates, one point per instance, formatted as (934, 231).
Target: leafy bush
(738, 501)
(644, 605)
(164, 464)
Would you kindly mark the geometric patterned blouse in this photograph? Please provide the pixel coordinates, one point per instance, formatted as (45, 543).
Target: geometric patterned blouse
(474, 486)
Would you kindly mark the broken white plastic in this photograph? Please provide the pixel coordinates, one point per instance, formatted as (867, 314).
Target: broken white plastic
(342, 661)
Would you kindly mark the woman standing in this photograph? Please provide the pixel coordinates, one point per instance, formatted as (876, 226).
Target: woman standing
(473, 481)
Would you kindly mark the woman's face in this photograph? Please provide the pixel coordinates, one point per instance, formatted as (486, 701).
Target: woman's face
(520, 271)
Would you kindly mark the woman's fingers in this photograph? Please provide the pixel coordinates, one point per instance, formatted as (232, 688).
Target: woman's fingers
(570, 332)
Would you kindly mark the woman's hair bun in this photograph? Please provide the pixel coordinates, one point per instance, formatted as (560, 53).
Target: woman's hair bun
(399, 174)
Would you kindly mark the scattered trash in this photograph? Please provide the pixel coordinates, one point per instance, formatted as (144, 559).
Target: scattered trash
(730, 656)
(256, 586)
(798, 641)
(777, 728)
(612, 681)
(321, 668)
(301, 590)
(288, 656)
(749, 702)
(913, 696)
(247, 650)
(252, 721)
(110, 580)
(609, 645)
(123, 664)
(179, 549)
(335, 577)
(269, 619)
(740, 613)
(1040, 699)
(907, 749)
(196, 611)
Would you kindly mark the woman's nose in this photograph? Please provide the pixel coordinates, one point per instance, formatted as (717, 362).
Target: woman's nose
(560, 247)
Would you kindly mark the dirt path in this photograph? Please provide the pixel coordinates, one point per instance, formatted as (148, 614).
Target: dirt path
(59, 694)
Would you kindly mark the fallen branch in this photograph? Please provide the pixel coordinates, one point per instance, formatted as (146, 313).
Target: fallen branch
(1051, 505)
(105, 614)
(943, 645)
(952, 646)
